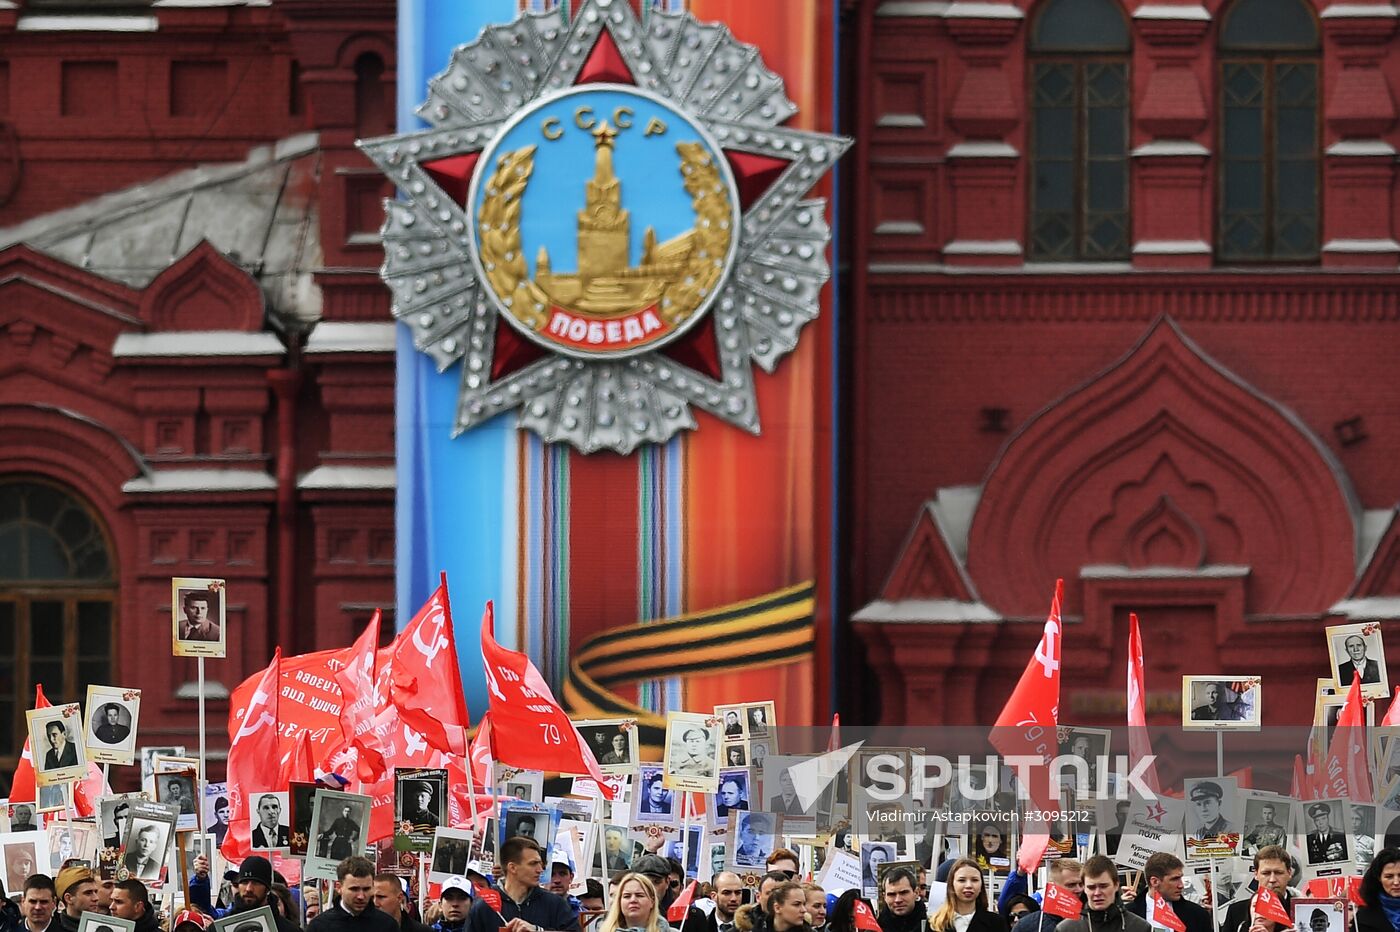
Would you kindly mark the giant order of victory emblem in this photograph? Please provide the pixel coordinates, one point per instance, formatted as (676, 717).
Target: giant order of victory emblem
(606, 224)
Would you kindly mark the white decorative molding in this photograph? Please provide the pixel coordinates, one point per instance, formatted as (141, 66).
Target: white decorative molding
(197, 343)
(899, 228)
(1117, 571)
(926, 612)
(983, 150)
(982, 247)
(961, 10)
(341, 336)
(201, 480)
(349, 477)
(901, 121)
(1361, 147)
(1163, 147)
(1197, 14)
(918, 9)
(1171, 247)
(1361, 246)
(87, 23)
(1360, 11)
(1376, 607)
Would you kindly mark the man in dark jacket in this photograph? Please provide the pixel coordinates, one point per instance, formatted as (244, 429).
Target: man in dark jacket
(77, 893)
(1272, 869)
(1163, 873)
(538, 910)
(1066, 872)
(901, 910)
(1103, 912)
(389, 900)
(455, 903)
(254, 886)
(354, 910)
(131, 901)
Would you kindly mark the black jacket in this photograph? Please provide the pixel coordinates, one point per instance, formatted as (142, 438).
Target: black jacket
(540, 908)
(338, 919)
(66, 923)
(407, 924)
(912, 921)
(1114, 919)
(1196, 917)
(1372, 919)
(11, 920)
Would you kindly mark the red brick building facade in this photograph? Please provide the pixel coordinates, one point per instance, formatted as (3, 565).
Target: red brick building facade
(1124, 311)
(196, 375)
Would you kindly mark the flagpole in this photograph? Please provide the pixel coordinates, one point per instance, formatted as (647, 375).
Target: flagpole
(1219, 773)
(203, 770)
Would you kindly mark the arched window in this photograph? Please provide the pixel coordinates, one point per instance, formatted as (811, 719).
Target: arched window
(373, 114)
(1079, 132)
(1268, 206)
(57, 598)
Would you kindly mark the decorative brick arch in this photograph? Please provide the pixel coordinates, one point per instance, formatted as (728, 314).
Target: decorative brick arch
(204, 290)
(1165, 460)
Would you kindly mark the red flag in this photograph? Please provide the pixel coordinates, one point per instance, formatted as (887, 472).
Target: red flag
(1332, 888)
(297, 765)
(676, 911)
(86, 792)
(426, 682)
(1346, 770)
(864, 916)
(833, 743)
(253, 755)
(1160, 913)
(1139, 743)
(529, 729)
(1392, 714)
(490, 896)
(360, 701)
(1268, 906)
(480, 755)
(1060, 902)
(1026, 728)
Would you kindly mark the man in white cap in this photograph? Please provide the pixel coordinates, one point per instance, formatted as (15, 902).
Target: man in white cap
(455, 903)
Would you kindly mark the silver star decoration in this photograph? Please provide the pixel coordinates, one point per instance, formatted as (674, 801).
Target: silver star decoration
(770, 292)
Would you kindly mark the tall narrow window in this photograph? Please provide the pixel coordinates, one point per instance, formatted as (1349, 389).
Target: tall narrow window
(1079, 95)
(57, 601)
(1268, 202)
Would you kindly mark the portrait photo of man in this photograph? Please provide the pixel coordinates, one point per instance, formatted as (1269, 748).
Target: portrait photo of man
(145, 850)
(338, 835)
(177, 790)
(733, 793)
(197, 609)
(754, 839)
(1207, 819)
(62, 750)
(1265, 824)
(733, 724)
(1359, 649)
(419, 805)
(695, 756)
(22, 818)
(617, 849)
(1326, 843)
(1215, 705)
(200, 610)
(617, 750)
(269, 828)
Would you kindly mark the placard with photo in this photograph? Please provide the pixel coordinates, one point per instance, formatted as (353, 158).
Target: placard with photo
(735, 754)
(59, 756)
(54, 797)
(525, 785)
(1327, 850)
(1317, 914)
(1359, 649)
(873, 856)
(1268, 818)
(990, 845)
(150, 833)
(113, 824)
(1220, 702)
(733, 721)
(1090, 745)
(420, 806)
(250, 920)
(1362, 820)
(301, 800)
(198, 617)
(268, 815)
(101, 922)
(752, 836)
(687, 853)
(692, 759)
(733, 795)
(339, 828)
(217, 811)
(71, 842)
(22, 852)
(760, 719)
(21, 817)
(652, 802)
(191, 845)
(110, 734)
(618, 852)
(1212, 817)
(614, 742)
(452, 848)
(529, 820)
(148, 762)
(176, 788)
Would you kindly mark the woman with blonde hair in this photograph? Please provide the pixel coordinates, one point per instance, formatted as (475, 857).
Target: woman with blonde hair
(634, 907)
(964, 908)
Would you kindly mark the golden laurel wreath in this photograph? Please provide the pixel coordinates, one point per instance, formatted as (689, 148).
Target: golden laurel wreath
(504, 263)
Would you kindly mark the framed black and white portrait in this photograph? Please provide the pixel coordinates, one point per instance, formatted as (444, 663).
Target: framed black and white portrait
(268, 819)
(452, 848)
(1326, 847)
(150, 832)
(1315, 914)
(252, 920)
(110, 733)
(1212, 817)
(692, 759)
(752, 837)
(1267, 820)
(420, 807)
(301, 799)
(1091, 745)
(198, 617)
(873, 856)
(614, 743)
(1358, 649)
(177, 788)
(100, 922)
(733, 795)
(339, 829)
(652, 802)
(529, 820)
(56, 744)
(1220, 702)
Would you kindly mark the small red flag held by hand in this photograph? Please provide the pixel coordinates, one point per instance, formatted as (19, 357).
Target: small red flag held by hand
(676, 911)
(1160, 913)
(864, 917)
(1268, 906)
(1060, 902)
(490, 896)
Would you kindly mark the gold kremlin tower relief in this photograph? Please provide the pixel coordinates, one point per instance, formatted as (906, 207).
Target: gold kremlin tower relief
(607, 305)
